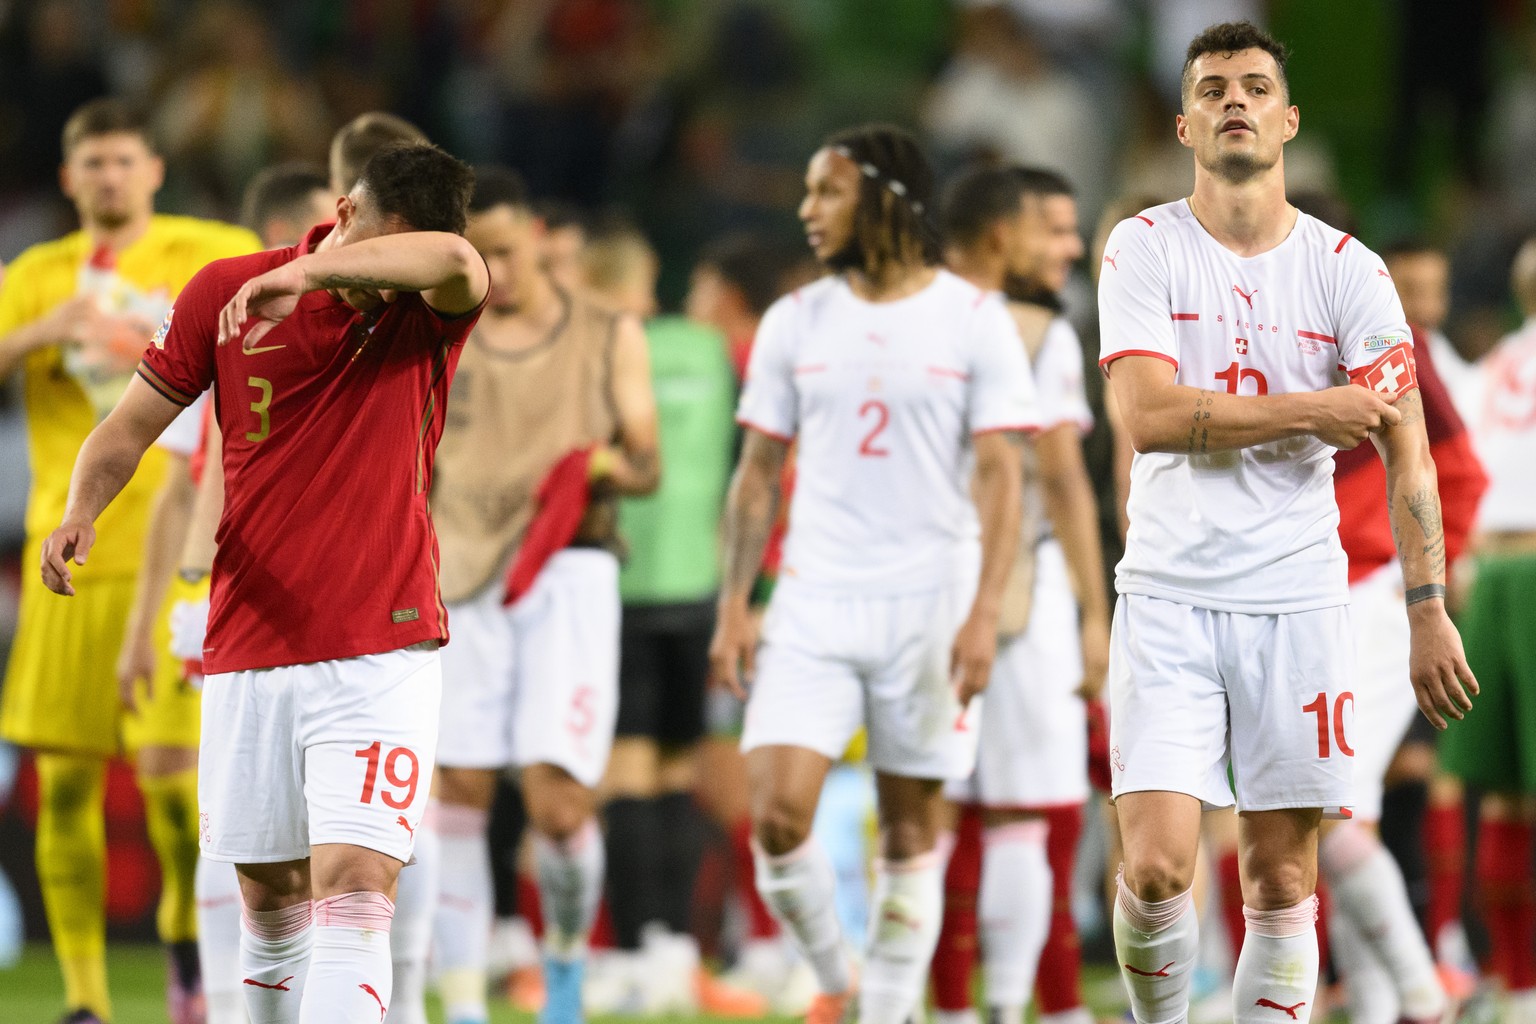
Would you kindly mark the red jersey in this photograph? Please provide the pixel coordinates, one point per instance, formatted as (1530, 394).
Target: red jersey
(330, 424)
(1360, 480)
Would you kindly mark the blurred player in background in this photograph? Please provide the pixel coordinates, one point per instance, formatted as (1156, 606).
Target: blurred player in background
(1014, 230)
(355, 143)
(322, 688)
(565, 236)
(284, 201)
(890, 376)
(559, 390)
(1495, 748)
(74, 316)
(1225, 320)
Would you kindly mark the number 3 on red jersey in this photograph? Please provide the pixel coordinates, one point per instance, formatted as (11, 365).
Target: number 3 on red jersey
(391, 775)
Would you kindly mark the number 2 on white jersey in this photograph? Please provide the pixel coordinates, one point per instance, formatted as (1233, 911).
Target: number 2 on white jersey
(882, 417)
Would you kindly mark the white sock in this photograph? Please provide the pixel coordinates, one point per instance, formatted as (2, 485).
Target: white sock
(274, 962)
(906, 909)
(570, 877)
(461, 928)
(799, 888)
(1371, 995)
(216, 887)
(965, 1016)
(1367, 886)
(410, 935)
(1015, 914)
(1157, 944)
(350, 975)
(1076, 1015)
(1276, 975)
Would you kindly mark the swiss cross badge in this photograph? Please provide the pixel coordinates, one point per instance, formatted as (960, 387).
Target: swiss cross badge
(1241, 344)
(1392, 374)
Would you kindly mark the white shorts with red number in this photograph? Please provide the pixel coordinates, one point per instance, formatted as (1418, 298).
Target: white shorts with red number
(1034, 739)
(1383, 694)
(1183, 680)
(329, 752)
(832, 661)
(537, 683)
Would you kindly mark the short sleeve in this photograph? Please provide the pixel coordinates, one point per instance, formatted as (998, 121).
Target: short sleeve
(179, 362)
(1000, 389)
(769, 402)
(185, 434)
(1059, 378)
(1135, 298)
(18, 298)
(1375, 343)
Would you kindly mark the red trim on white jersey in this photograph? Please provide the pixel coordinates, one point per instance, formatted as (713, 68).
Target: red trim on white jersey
(1022, 428)
(1184, 316)
(810, 368)
(1342, 242)
(1104, 363)
(945, 371)
(1330, 339)
(763, 430)
(1147, 220)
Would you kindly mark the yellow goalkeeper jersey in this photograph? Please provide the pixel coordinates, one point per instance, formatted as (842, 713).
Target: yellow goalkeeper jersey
(60, 413)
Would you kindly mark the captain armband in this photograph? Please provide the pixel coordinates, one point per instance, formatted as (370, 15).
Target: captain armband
(1393, 374)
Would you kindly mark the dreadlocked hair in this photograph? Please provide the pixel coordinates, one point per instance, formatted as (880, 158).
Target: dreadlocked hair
(895, 220)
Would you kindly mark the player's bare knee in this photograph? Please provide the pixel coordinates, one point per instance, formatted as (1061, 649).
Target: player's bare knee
(1279, 886)
(1158, 875)
(337, 868)
(275, 886)
(780, 826)
(465, 787)
(907, 838)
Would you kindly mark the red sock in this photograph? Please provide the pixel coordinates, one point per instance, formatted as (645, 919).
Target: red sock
(528, 902)
(761, 924)
(1508, 897)
(1445, 852)
(954, 961)
(1058, 983)
(1322, 922)
(1229, 877)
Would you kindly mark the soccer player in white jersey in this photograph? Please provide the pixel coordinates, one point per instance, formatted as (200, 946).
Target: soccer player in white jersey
(895, 378)
(1014, 230)
(1227, 320)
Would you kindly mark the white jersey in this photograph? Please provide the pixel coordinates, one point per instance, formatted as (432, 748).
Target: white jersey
(1254, 530)
(1505, 432)
(184, 435)
(883, 399)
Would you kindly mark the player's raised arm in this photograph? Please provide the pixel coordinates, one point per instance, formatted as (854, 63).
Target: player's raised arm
(1003, 458)
(751, 508)
(1438, 668)
(633, 466)
(1162, 416)
(106, 463)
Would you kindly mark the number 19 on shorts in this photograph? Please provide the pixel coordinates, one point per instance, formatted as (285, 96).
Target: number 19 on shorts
(394, 781)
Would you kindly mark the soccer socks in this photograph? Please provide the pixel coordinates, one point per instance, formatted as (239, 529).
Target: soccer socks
(1058, 983)
(1445, 853)
(799, 887)
(1229, 884)
(1157, 944)
(681, 828)
(954, 959)
(1366, 886)
(570, 874)
(349, 966)
(410, 935)
(274, 962)
(1015, 914)
(217, 888)
(1370, 990)
(71, 871)
(1276, 977)
(634, 866)
(905, 911)
(170, 814)
(462, 926)
(1508, 897)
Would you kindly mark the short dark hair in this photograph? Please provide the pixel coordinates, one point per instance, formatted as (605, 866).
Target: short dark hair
(560, 213)
(496, 185)
(421, 184)
(977, 198)
(357, 140)
(895, 218)
(283, 190)
(1233, 37)
(1410, 245)
(108, 115)
(754, 264)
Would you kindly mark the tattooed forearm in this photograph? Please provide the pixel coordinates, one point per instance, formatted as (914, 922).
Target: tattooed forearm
(1424, 504)
(373, 284)
(749, 519)
(1200, 428)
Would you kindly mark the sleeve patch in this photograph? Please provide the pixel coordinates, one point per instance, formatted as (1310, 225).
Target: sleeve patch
(165, 328)
(1392, 375)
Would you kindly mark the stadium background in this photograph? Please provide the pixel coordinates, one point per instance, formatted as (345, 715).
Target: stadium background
(693, 117)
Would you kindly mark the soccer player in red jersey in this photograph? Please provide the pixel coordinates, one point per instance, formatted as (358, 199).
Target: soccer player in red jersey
(333, 360)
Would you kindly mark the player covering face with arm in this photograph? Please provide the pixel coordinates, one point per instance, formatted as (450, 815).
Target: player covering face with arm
(342, 781)
(888, 374)
(1226, 318)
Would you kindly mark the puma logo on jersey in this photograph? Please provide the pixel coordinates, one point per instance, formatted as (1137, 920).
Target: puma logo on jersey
(1382, 273)
(1272, 1005)
(895, 916)
(370, 991)
(1247, 296)
(1111, 259)
(405, 825)
(1153, 974)
(281, 986)
(878, 339)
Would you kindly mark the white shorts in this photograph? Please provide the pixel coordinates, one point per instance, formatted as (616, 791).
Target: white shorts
(537, 683)
(1034, 738)
(1182, 680)
(831, 662)
(329, 752)
(1384, 699)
